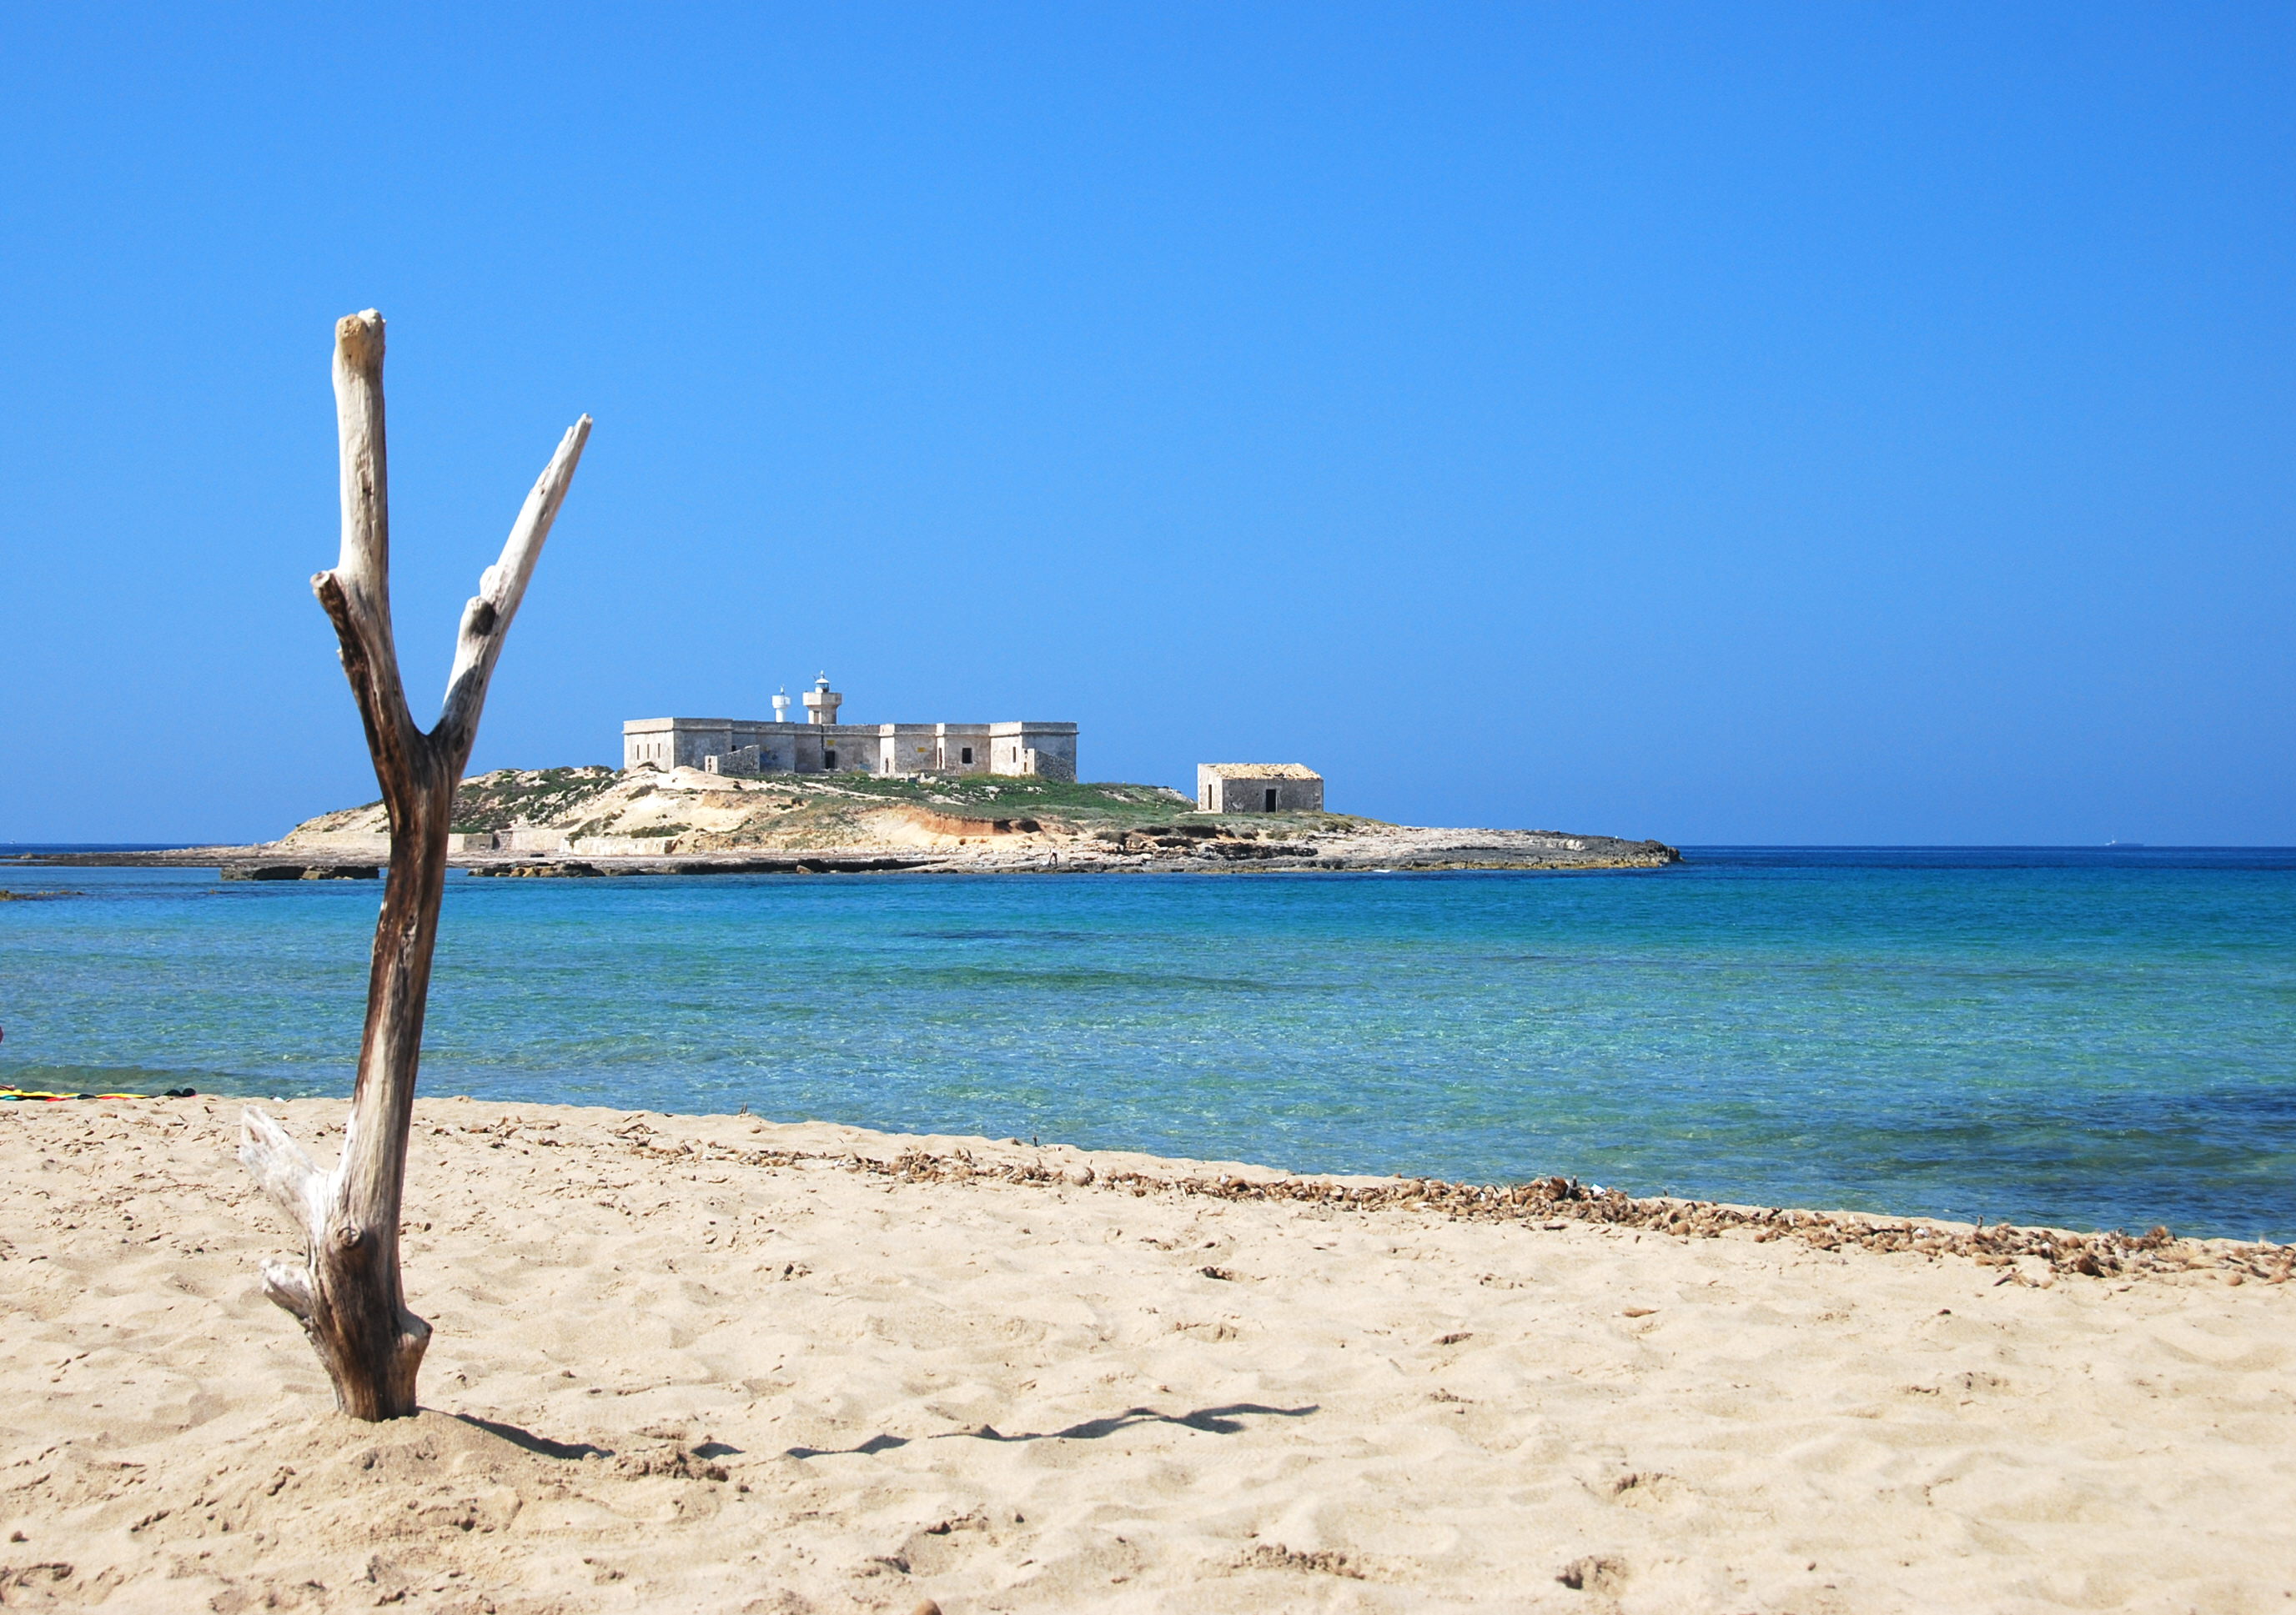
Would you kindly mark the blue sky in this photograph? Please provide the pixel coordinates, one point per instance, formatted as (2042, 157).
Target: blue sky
(1788, 424)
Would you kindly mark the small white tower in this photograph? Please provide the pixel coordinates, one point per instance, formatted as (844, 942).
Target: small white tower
(821, 702)
(782, 705)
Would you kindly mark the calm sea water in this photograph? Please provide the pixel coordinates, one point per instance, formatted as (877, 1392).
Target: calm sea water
(2075, 1037)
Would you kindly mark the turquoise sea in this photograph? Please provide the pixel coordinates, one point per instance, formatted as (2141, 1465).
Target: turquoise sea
(2083, 1038)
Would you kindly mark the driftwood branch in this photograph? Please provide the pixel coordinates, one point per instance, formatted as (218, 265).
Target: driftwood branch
(347, 1293)
(486, 617)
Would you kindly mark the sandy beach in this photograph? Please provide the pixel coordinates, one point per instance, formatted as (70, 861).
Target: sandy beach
(711, 1364)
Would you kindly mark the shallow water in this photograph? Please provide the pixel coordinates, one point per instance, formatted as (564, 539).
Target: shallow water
(2076, 1037)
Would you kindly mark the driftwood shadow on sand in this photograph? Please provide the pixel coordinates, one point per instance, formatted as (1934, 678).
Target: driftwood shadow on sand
(1226, 1421)
(541, 1447)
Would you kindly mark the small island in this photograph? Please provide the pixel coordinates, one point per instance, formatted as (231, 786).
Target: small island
(648, 820)
(679, 820)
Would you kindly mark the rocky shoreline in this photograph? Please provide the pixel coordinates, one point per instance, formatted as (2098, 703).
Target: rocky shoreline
(1397, 849)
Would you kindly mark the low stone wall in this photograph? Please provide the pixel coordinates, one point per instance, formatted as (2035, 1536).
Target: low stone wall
(358, 841)
(624, 846)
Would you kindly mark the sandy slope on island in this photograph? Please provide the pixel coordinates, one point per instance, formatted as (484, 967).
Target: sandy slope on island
(673, 1372)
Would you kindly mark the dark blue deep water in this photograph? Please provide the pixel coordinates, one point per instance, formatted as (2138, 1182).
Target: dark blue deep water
(2082, 1037)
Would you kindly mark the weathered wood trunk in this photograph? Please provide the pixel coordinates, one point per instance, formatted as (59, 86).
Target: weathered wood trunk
(346, 1291)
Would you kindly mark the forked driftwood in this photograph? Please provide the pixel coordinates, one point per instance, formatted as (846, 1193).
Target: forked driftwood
(346, 1290)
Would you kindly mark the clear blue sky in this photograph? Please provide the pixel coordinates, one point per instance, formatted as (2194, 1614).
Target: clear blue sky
(1792, 425)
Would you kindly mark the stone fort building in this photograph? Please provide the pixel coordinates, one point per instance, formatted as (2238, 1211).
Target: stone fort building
(1258, 788)
(821, 744)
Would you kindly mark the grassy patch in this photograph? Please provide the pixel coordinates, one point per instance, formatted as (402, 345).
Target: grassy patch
(993, 797)
(509, 796)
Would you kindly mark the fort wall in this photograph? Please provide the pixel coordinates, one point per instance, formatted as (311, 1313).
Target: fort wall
(735, 746)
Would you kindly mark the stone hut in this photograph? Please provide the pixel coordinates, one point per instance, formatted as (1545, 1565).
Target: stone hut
(1258, 788)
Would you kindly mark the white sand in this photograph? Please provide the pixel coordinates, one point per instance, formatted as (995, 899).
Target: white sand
(1016, 1396)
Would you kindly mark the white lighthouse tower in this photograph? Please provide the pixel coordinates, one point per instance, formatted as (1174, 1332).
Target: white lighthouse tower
(782, 705)
(821, 702)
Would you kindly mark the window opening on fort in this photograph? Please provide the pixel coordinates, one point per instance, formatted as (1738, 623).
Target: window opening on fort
(829, 757)
(968, 754)
(1271, 801)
